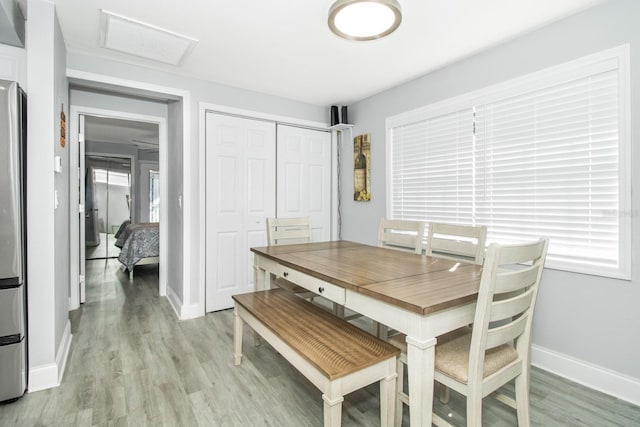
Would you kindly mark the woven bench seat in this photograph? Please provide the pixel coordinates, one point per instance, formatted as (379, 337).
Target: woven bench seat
(334, 355)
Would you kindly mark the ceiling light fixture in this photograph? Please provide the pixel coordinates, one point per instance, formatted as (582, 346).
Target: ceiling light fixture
(363, 20)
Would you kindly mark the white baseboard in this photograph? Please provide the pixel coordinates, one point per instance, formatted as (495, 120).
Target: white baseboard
(50, 375)
(183, 312)
(63, 350)
(43, 377)
(174, 301)
(590, 375)
(191, 311)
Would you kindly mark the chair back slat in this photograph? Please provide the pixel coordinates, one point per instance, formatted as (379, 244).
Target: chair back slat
(510, 307)
(516, 280)
(453, 248)
(286, 231)
(506, 333)
(402, 235)
(457, 242)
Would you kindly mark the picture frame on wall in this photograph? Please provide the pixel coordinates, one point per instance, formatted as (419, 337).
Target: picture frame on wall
(362, 168)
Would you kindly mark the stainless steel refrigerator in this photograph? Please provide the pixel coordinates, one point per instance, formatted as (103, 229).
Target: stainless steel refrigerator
(13, 282)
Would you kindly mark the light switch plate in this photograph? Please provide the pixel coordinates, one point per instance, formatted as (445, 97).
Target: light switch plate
(57, 164)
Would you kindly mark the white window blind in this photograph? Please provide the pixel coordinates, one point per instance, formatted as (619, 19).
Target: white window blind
(527, 160)
(436, 159)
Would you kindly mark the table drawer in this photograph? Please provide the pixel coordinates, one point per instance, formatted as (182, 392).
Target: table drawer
(327, 290)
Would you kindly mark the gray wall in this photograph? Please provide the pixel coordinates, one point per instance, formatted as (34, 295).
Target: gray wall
(593, 319)
(48, 228)
(96, 98)
(62, 244)
(200, 91)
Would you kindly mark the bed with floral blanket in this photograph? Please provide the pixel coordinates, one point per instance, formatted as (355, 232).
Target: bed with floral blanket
(139, 244)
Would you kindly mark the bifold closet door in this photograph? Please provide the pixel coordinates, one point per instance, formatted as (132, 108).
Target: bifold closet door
(240, 190)
(304, 177)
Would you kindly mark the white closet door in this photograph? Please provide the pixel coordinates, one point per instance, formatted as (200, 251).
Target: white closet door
(304, 177)
(240, 195)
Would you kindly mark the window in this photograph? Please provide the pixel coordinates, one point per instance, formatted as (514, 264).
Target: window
(110, 177)
(542, 155)
(154, 196)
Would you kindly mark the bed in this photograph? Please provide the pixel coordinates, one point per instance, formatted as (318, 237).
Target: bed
(139, 245)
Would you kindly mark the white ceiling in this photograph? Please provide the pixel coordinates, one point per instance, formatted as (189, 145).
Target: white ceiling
(285, 48)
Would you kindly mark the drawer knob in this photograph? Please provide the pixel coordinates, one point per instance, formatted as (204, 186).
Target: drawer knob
(320, 289)
(286, 274)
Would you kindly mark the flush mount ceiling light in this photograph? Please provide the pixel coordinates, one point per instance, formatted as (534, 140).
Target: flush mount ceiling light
(363, 20)
(144, 40)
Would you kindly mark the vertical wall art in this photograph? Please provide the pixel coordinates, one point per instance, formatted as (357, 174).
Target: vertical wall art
(63, 126)
(362, 168)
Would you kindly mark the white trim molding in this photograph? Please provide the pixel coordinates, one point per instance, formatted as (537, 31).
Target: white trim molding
(74, 112)
(183, 311)
(590, 375)
(189, 160)
(50, 375)
(175, 302)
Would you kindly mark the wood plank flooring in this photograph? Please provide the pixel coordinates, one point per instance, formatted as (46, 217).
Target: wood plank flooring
(133, 364)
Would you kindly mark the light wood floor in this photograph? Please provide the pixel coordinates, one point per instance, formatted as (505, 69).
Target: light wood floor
(106, 248)
(133, 364)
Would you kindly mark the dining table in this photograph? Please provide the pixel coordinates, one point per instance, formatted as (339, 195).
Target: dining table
(420, 296)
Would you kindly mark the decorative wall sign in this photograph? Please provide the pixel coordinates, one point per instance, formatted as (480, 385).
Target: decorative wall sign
(362, 168)
(63, 127)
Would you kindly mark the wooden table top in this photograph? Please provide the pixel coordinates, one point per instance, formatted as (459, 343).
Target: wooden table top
(417, 283)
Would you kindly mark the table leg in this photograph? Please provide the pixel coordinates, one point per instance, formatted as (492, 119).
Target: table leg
(258, 277)
(261, 278)
(420, 365)
(237, 337)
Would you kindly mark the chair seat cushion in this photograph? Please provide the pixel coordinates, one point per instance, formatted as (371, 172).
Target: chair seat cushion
(452, 354)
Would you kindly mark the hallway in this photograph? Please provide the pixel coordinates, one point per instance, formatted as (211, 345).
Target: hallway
(133, 364)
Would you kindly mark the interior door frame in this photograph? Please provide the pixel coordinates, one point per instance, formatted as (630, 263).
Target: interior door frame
(76, 145)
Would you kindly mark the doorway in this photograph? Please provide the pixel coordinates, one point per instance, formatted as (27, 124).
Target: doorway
(110, 149)
(107, 204)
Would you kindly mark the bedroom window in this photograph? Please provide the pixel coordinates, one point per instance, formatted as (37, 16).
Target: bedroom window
(543, 155)
(154, 196)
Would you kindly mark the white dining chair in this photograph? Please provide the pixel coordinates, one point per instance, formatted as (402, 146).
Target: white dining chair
(476, 361)
(457, 242)
(402, 235)
(287, 231)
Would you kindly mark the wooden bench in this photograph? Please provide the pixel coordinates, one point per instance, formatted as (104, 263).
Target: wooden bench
(334, 355)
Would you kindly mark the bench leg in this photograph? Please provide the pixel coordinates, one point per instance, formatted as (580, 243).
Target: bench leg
(237, 336)
(332, 411)
(388, 395)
